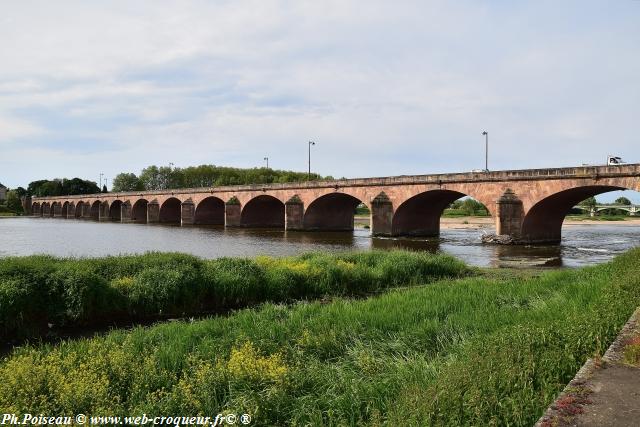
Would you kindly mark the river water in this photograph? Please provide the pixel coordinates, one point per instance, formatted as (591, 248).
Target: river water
(581, 244)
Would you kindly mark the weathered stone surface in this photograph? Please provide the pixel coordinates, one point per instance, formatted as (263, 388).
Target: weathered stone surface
(71, 210)
(294, 214)
(153, 212)
(381, 215)
(232, 215)
(188, 212)
(509, 215)
(125, 212)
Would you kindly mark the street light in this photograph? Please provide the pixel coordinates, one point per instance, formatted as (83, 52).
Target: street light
(267, 160)
(101, 175)
(486, 151)
(309, 175)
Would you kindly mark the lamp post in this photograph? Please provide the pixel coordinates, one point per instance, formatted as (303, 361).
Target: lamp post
(266, 159)
(486, 151)
(101, 175)
(309, 175)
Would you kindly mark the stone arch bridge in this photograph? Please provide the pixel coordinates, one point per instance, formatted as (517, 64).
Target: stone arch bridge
(529, 205)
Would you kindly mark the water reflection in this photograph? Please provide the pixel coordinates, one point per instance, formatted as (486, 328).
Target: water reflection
(581, 245)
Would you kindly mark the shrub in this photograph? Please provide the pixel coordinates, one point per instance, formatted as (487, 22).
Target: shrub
(36, 292)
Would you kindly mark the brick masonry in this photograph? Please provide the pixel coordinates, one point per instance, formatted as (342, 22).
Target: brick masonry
(528, 204)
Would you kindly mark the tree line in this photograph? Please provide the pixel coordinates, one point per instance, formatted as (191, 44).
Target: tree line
(166, 177)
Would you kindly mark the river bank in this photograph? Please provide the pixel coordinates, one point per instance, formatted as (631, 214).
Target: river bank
(492, 349)
(484, 222)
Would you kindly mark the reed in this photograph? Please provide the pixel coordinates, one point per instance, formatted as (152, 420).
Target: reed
(39, 291)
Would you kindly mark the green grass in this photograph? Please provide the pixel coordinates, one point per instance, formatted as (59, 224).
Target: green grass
(489, 350)
(39, 291)
(456, 213)
(600, 217)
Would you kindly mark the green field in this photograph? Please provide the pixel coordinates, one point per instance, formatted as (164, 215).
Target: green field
(492, 349)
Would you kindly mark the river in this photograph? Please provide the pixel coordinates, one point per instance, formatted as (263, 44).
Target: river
(581, 244)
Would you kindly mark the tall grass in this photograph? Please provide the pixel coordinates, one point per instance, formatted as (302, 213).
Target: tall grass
(473, 351)
(39, 291)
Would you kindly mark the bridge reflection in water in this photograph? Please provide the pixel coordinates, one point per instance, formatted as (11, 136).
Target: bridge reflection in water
(581, 244)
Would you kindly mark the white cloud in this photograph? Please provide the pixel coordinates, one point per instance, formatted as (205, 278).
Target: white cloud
(12, 128)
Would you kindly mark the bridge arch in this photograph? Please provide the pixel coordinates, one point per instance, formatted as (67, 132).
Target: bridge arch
(263, 211)
(139, 211)
(36, 209)
(170, 211)
(420, 214)
(115, 210)
(210, 211)
(331, 212)
(543, 222)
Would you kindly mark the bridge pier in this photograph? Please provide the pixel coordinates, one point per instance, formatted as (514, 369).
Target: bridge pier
(71, 210)
(103, 212)
(153, 212)
(294, 214)
(188, 213)
(381, 215)
(86, 211)
(57, 210)
(27, 205)
(232, 213)
(510, 214)
(125, 212)
(45, 209)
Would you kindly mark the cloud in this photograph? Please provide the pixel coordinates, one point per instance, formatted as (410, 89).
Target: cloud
(12, 128)
(383, 88)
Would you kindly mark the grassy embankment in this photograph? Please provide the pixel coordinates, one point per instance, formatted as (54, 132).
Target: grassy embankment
(490, 350)
(601, 217)
(4, 211)
(39, 291)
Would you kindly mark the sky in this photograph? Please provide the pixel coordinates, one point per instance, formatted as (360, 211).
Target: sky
(383, 88)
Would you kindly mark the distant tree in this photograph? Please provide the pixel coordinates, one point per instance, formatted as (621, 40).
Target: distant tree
(127, 182)
(622, 201)
(456, 205)
(34, 187)
(20, 191)
(13, 202)
(59, 187)
(590, 202)
(79, 186)
(164, 177)
(473, 207)
(104, 188)
(151, 178)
